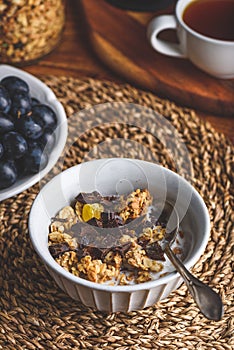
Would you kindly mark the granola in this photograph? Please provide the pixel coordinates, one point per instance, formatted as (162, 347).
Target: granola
(29, 29)
(112, 239)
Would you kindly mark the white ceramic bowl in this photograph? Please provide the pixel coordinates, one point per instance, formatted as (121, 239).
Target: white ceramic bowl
(45, 95)
(110, 176)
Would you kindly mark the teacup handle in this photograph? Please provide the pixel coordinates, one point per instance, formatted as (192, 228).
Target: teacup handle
(157, 25)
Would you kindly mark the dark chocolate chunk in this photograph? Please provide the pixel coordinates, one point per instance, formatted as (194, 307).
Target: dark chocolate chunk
(80, 252)
(58, 249)
(84, 241)
(93, 197)
(107, 216)
(90, 235)
(95, 222)
(142, 241)
(110, 238)
(154, 251)
(76, 228)
(94, 252)
(79, 198)
(123, 249)
(84, 233)
(111, 219)
(110, 202)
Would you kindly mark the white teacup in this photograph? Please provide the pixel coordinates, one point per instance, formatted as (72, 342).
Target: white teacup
(215, 57)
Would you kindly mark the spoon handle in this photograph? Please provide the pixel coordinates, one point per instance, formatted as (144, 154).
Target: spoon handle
(208, 301)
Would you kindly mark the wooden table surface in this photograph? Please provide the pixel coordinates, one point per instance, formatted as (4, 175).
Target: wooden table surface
(75, 57)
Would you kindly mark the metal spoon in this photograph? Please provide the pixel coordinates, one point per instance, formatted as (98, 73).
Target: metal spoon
(207, 300)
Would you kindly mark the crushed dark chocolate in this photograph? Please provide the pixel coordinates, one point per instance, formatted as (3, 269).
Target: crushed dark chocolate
(100, 253)
(123, 249)
(96, 197)
(88, 198)
(143, 241)
(84, 233)
(109, 240)
(58, 249)
(111, 219)
(154, 251)
(94, 252)
(96, 236)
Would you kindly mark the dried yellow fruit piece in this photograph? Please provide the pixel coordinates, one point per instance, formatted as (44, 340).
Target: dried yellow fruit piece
(90, 211)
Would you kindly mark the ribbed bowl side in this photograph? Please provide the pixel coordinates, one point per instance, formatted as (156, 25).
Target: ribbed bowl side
(109, 302)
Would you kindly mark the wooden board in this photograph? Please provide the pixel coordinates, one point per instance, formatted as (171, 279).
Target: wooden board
(119, 39)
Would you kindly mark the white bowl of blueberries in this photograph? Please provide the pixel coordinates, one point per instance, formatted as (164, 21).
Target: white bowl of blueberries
(33, 130)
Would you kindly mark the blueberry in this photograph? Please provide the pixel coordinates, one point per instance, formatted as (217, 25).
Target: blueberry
(1, 150)
(13, 83)
(29, 128)
(35, 160)
(20, 167)
(21, 104)
(45, 116)
(47, 140)
(35, 101)
(8, 173)
(6, 123)
(5, 101)
(15, 146)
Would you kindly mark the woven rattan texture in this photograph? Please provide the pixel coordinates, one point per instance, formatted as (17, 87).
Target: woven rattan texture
(36, 314)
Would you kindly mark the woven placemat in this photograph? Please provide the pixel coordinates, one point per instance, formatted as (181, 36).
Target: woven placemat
(36, 314)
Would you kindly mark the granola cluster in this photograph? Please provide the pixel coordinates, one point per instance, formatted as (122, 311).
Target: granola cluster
(29, 28)
(112, 238)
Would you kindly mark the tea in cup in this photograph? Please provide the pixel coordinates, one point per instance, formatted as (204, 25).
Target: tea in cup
(205, 31)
